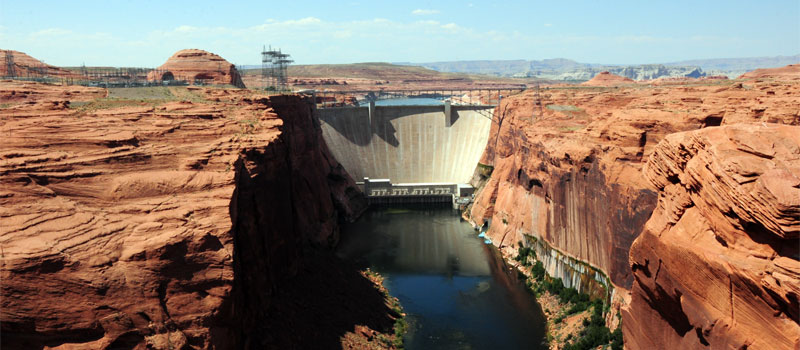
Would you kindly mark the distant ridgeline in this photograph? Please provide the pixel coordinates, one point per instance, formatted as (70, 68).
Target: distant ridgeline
(565, 69)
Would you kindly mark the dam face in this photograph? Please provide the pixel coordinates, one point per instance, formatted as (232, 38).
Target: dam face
(408, 144)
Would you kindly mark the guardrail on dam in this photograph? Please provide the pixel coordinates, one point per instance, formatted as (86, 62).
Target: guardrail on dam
(432, 144)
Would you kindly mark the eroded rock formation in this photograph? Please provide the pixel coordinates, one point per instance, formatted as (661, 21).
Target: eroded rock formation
(717, 263)
(171, 226)
(196, 66)
(607, 79)
(567, 169)
(25, 66)
(15, 93)
(790, 72)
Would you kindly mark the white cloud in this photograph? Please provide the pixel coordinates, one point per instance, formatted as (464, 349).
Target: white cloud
(186, 29)
(423, 12)
(50, 32)
(317, 40)
(548, 24)
(452, 27)
(305, 21)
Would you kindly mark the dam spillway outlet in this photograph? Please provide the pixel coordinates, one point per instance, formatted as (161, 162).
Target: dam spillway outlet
(419, 152)
(383, 191)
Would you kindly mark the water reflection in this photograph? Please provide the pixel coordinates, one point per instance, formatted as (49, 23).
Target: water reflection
(458, 292)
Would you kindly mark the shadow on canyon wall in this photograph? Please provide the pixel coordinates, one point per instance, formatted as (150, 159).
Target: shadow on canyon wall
(316, 308)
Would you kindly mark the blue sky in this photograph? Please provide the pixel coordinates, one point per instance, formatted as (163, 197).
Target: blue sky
(146, 33)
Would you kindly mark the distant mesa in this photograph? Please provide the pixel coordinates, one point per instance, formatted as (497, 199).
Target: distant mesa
(24, 65)
(607, 79)
(198, 67)
(790, 72)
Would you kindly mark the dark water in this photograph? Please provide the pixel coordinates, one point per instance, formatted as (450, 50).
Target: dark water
(456, 289)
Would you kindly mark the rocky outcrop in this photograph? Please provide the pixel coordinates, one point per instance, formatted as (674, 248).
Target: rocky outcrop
(790, 72)
(606, 79)
(22, 95)
(197, 66)
(166, 227)
(566, 169)
(717, 264)
(27, 66)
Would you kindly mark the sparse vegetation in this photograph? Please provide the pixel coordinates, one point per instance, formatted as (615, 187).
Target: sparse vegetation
(564, 108)
(142, 93)
(248, 125)
(105, 103)
(485, 170)
(522, 256)
(594, 332)
(573, 128)
(139, 96)
(400, 327)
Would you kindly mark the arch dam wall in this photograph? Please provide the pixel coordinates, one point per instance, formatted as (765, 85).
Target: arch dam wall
(408, 144)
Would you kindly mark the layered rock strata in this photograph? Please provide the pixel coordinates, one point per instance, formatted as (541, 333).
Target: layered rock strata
(566, 168)
(198, 66)
(166, 225)
(717, 264)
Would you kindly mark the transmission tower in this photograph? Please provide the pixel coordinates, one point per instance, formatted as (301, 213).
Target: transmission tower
(10, 71)
(537, 102)
(274, 66)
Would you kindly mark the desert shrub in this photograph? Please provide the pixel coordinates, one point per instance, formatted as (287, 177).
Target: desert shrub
(523, 253)
(538, 271)
(595, 334)
(616, 339)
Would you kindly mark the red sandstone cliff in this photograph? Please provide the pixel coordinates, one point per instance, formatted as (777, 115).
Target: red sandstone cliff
(571, 175)
(167, 227)
(193, 65)
(717, 263)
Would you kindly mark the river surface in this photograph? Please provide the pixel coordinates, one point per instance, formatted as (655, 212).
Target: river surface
(456, 289)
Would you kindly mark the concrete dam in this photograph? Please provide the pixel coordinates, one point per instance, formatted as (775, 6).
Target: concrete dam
(410, 150)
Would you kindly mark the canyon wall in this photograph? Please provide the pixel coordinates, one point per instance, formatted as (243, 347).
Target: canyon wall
(717, 263)
(566, 168)
(165, 225)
